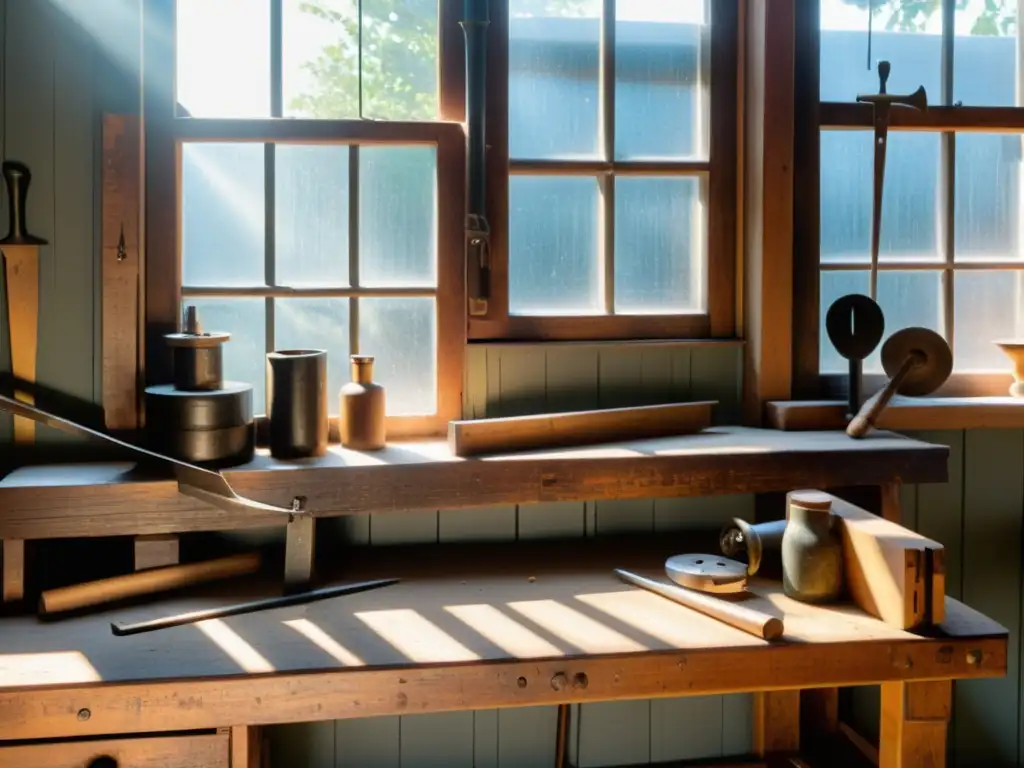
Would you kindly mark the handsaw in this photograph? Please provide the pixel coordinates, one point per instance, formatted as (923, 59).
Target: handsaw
(882, 102)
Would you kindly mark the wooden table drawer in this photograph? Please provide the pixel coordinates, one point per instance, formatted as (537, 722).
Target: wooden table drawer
(201, 751)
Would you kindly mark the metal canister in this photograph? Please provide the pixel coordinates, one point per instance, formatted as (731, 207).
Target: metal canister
(297, 402)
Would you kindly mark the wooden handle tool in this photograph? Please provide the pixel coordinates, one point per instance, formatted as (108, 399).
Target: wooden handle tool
(734, 614)
(146, 582)
(918, 361)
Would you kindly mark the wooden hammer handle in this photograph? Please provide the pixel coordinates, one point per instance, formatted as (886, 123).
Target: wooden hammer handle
(865, 419)
(734, 614)
(146, 583)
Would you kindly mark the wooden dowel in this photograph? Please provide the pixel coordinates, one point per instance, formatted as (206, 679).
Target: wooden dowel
(146, 583)
(734, 614)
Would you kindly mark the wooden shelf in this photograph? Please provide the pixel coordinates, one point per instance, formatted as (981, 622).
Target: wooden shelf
(904, 414)
(470, 626)
(117, 499)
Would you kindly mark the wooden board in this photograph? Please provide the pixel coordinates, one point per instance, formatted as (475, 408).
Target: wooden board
(891, 572)
(120, 290)
(476, 437)
(453, 639)
(198, 751)
(115, 499)
(904, 414)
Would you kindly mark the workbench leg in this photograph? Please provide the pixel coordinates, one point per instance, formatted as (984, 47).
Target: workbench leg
(156, 551)
(13, 570)
(776, 723)
(246, 746)
(915, 718)
(819, 715)
(891, 501)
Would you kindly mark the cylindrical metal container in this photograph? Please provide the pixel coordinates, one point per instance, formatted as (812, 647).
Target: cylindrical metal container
(297, 402)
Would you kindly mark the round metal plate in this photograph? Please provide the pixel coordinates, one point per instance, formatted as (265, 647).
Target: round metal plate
(926, 377)
(707, 573)
(855, 324)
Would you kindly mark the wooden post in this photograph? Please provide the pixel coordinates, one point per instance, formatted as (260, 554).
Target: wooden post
(914, 722)
(776, 723)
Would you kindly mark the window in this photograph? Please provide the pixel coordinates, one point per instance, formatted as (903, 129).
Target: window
(613, 163)
(952, 253)
(304, 191)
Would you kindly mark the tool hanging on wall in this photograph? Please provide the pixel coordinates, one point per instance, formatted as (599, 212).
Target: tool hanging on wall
(917, 361)
(478, 231)
(882, 103)
(21, 273)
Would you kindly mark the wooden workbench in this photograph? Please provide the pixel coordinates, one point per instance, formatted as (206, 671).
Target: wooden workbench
(120, 499)
(472, 627)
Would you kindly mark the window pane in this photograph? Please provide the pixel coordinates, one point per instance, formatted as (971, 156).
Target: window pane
(909, 203)
(985, 60)
(223, 58)
(907, 299)
(553, 72)
(659, 245)
(553, 245)
(245, 353)
(397, 216)
(987, 306)
(311, 208)
(321, 59)
(987, 222)
(661, 107)
(223, 211)
(316, 324)
(402, 335)
(906, 33)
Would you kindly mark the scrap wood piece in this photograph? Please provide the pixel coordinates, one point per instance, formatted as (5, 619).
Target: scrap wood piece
(556, 430)
(891, 572)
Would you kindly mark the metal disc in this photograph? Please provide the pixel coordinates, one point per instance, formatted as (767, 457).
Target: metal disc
(855, 324)
(170, 408)
(707, 573)
(925, 378)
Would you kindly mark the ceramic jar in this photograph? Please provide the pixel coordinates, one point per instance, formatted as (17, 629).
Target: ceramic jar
(361, 419)
(812, 554)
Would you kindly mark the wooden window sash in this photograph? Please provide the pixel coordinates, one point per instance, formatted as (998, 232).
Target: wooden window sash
(718, 175)
(165, 133)
(946, 119)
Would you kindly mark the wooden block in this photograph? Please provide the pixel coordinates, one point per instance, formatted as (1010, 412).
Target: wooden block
(156, 551)
(13, 570)
(520, 433)
(891, 572)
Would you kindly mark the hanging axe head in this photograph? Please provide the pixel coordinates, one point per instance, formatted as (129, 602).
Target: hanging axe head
(917, 100)
(17, 178)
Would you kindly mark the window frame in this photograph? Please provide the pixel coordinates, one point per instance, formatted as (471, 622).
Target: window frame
(942, 117)
(165, 132)
(721, 170)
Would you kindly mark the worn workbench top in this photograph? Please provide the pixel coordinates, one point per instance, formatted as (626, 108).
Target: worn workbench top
(112, 499)
(469, 627)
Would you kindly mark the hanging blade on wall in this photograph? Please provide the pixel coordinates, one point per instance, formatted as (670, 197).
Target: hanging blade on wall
(478, 232)
(203, 484)
(882, 102)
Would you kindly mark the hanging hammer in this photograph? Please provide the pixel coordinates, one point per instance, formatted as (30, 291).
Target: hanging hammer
(882, 102)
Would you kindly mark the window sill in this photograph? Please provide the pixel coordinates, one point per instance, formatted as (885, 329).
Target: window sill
(904, 414)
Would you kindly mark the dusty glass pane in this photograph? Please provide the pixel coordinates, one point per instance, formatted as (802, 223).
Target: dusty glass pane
(909, 203)
(985, 53)
(397, 216)
(316, 324)
(402, 335)
(399, 59)
(906, 33)
(661, 95)
(223, 58)
(553, 98)
(222, 214)
(987, 306)
(553, 246)
(311, 209)
(245, 352)
(660, 234)
(988, 177)
(907, 299)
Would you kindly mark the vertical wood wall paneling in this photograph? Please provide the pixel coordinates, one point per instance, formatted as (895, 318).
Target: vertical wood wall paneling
(988, 717)
(374, 742)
